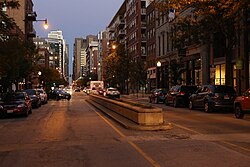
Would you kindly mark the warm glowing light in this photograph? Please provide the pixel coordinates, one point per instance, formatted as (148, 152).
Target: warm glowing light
(113, 46)
(158, 64)
(46, 25)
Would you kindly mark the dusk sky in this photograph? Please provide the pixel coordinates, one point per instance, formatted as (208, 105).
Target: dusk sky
(76, 18)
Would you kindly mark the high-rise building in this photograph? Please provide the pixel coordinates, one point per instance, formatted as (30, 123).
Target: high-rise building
(79, 63)
(57, 42)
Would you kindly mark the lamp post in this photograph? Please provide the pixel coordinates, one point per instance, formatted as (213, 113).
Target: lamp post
(158, 77)
(45, 25)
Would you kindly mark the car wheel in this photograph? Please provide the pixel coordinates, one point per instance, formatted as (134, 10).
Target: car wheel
(190, 105)
(166, 102)
(149, 100)
(30, 111)
(175, 103)
(156, 100)
(207, 107)
(26, 114)
(238, 112)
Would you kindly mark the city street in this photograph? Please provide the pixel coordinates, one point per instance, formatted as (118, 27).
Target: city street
(74, 133)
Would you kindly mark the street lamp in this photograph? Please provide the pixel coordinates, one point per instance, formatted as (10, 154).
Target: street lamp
(45, 25)
(158, 73)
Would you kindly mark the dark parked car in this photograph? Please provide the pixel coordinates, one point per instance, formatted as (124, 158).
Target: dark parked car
(16, 103)
(59, 94)
(211, 97)
(179, 95)
(242, 104)
(2, 113)
(34, 96)
(157, 95)
(43, 96)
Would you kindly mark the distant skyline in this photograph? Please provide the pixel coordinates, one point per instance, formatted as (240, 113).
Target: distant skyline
(76, 18)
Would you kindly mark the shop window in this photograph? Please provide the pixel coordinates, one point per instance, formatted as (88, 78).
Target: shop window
(220, 74)
(234, 76)
(249, 71)
(198, 77)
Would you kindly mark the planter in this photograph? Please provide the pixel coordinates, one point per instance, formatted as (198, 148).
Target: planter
(138, 113)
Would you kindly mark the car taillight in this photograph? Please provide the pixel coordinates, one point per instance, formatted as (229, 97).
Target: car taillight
(181, 93)
(215, 97)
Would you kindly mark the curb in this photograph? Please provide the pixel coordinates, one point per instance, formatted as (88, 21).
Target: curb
(128, 124)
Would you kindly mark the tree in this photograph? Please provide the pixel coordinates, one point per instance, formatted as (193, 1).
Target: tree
(117, 68)
(50, 77)
(16, 60)
(6, 23)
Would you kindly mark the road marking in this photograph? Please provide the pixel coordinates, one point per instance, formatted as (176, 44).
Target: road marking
(222, 141)
(149, 159)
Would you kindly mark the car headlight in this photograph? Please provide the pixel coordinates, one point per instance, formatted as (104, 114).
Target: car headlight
(21, 106)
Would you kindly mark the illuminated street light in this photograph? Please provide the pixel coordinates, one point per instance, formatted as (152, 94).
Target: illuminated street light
(158, 64)
(114, 46)
(45, 25)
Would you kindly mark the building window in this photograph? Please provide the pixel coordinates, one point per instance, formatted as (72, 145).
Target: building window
(234, 75)
(159, 40)
(220, 72)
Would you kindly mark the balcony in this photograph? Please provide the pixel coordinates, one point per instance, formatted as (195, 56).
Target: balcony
(31, 34)
(31, 16)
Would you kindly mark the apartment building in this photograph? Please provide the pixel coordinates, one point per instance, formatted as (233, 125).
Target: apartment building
(202, 63)
(57, 42)
(136, 29)
(151, 48)
(23, 17)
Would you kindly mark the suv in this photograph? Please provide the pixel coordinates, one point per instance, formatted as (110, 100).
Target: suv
(242, 104)
(35, 97)
(157, 95)
(179, 94)
(212, 97)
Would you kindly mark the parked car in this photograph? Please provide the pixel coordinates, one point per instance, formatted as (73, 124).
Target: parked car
(112, 92)
(157, 95)
(34, 96)
(16, 103)
(43, 96)
(179, 95)
(100, 91)
(77, 90)
(242, 104)
(211, 97)
(2, 113)
(59, 94)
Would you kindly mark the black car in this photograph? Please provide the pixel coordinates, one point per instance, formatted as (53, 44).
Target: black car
(211, 97)
(59, 94)
(179, 95)
(2, 113)
(157, 95)
(34, 96)
(18, 103)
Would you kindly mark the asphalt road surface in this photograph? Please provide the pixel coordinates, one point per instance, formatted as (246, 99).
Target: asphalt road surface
(73, 133)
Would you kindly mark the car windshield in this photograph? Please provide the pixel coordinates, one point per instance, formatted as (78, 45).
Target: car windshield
(60, 91)
(112, 89)
(40, 91)
(12, 96)
(224, 89)
(30, 91)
